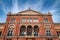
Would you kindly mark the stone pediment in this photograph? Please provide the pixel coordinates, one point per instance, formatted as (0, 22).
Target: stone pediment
(29, 12)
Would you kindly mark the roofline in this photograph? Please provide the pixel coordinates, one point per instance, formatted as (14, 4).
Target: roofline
(56, 23)
(27, 15)
(2, 23)
(15, 14)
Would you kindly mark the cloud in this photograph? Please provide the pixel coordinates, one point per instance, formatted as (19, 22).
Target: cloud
(57, 3)
(56, 18)
(43, 6)
(38, 5)
(4, 8)
(15, 7)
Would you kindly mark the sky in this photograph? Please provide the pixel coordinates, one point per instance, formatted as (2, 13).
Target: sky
(43, 6)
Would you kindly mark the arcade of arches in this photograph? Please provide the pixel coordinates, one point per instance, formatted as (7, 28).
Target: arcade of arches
(30, 30)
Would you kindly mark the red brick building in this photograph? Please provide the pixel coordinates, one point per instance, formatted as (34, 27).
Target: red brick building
(29, 25)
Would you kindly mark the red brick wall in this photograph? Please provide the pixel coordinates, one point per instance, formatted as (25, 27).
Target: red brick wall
(41, 25)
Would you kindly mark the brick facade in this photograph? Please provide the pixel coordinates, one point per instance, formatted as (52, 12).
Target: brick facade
(42, 25)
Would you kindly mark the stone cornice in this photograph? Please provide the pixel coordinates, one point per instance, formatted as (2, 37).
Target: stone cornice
(20, 13)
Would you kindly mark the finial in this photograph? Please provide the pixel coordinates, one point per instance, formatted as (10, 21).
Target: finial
(29, 8)
(49, 13)
(9, 13)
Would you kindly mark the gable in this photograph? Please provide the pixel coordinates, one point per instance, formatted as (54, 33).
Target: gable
(29, 12)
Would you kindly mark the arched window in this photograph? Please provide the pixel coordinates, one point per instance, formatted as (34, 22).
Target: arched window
(48, 33)
(36, 29)
(29, 30)
(58, 33)
(22, 30)
(0, 33)
(10, 30)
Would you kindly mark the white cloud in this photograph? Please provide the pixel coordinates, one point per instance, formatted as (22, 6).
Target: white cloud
(37, 6)
(56, 18)
(4, 8)
(55, 4)
(15, 7)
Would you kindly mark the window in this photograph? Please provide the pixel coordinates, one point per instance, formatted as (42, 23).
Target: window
(0, 33)
(29, 20)
(29, 30)
(23, 20)
(45, 19)
(35, 20)
(36, 28)
(22, 30)
(48, 33)
(58, 33)
(10, 32)
(12, 20)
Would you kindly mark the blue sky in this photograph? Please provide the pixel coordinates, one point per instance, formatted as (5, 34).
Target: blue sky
(43, 6)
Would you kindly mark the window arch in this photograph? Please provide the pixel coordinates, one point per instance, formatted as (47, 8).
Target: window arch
(0, 33)
(48, 32)
(10, 30)
(22, 30)
(36, 29)
(29, 30)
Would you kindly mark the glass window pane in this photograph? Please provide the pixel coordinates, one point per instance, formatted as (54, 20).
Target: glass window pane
(29, 20)
(35, 20)
(36, 29)
(0, 33)
(45, 19)
(22, 30)
(10, 32)
(58, 33)
(23, 20)
(12, 20)
(48, 33)
(29, 30)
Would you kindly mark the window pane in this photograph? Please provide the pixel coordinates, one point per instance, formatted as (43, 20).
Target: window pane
(48, 33)
(45, 19)
(12, 20)
(35, 33)
(22, 30)
(29, 30)
(58, 33)
(10, 32)
(35, 20)
(36, 29)
(0, 33)
(23, 20)
(29, 20)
